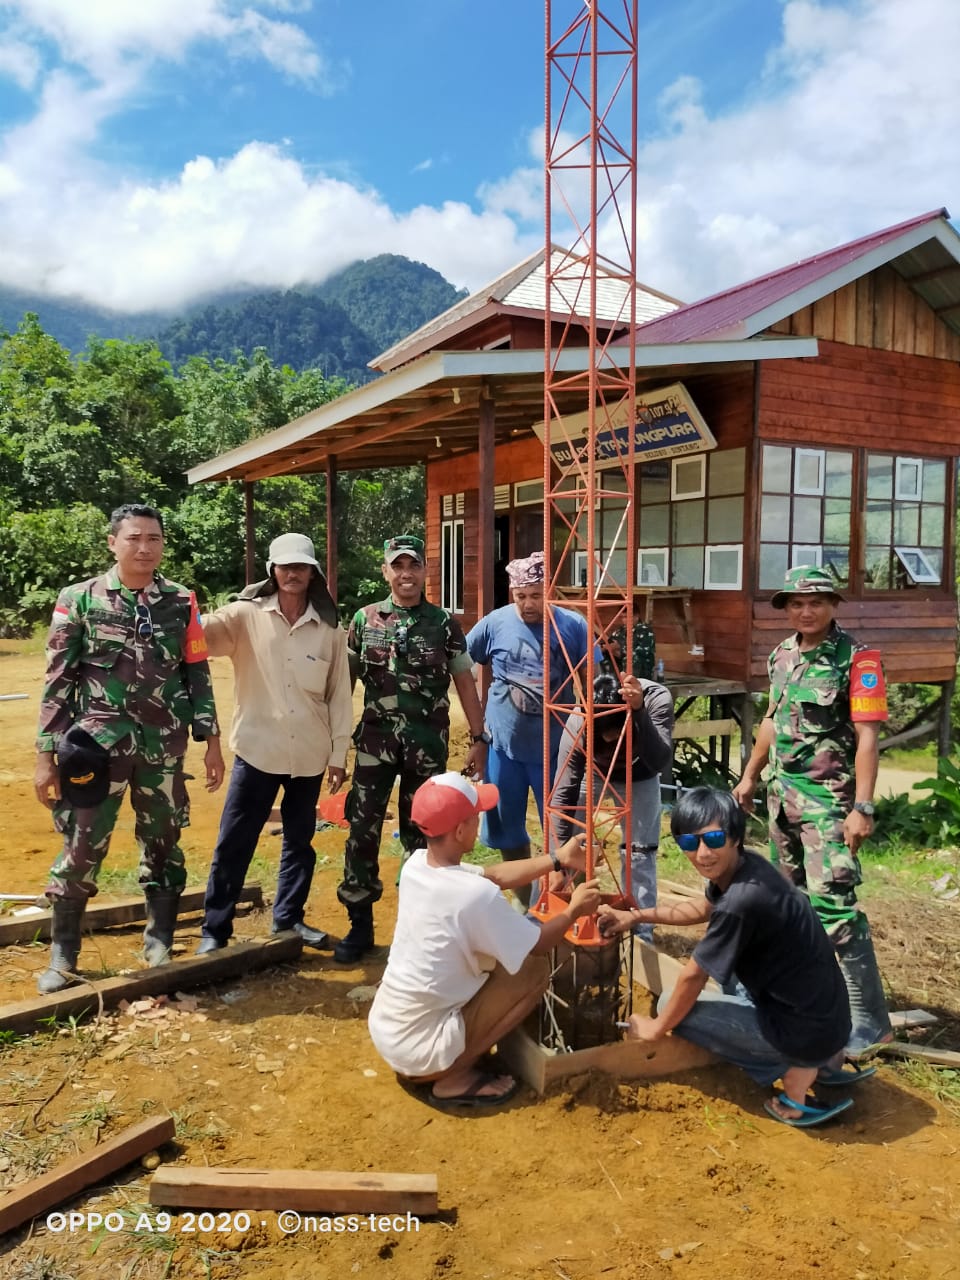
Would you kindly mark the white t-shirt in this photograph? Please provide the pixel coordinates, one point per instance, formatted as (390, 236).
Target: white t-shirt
(453, 926)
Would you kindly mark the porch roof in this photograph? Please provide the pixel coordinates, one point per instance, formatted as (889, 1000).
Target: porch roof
(428, 409)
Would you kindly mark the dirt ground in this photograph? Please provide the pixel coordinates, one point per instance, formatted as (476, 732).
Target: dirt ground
(686, 1176)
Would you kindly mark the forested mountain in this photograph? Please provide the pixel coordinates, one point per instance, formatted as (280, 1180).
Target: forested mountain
(72, 322)
(390, 296)
(294, 328)
(336, 327)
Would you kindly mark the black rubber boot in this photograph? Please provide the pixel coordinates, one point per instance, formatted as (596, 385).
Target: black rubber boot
(359, 940)
(64, 945)
(868, 1005)
(517, 855)
(162, 907)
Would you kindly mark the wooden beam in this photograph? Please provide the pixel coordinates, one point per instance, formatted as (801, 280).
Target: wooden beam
(486, 428)
(101, 915)
(249, 534)
(332, 551)
(936, 1057)
(626, 1059)
(66, 1180)
(306, 1190)
(85, 997)
(704, 728)
(912, 1018)
(396, 424)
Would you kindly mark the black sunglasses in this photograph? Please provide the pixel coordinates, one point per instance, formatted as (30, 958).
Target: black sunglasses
(144, 621)
(400, 640)
(712, 839)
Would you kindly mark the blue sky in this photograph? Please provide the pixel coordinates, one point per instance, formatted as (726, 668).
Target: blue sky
(153, 151)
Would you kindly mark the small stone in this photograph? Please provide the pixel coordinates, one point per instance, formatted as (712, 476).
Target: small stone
(151, 1160)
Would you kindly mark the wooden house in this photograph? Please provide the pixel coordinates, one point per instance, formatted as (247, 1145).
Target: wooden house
(830, 392)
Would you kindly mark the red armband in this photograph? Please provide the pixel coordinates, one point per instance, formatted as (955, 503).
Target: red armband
(194, 643)
(868, 692)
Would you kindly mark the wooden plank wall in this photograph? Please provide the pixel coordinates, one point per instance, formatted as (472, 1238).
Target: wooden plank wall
(880, 311)
(519, 460)
(917, 639)
(855, 397)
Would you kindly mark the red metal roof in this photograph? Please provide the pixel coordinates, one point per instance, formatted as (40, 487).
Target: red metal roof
(728, 314)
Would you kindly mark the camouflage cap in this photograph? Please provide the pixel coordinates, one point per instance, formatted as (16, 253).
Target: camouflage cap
(407, 544)
(803, 580)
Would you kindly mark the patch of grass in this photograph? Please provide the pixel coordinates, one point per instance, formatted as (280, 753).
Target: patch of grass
(942, 1082)
(482, 856)
(728, 1126)
(188, 1130)
(98, 1113)
(920, 759)
(41, 1267)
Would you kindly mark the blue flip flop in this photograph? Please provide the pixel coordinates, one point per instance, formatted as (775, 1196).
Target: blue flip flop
(811, 1115)
(839, 1077)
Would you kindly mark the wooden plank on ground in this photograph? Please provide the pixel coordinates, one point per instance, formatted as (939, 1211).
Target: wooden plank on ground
(100, 915)
(679, 890)
(62, 1183)
(85, 997)
(626, 1059)
(936, 1057)
(912, 1018)
(306, 1190)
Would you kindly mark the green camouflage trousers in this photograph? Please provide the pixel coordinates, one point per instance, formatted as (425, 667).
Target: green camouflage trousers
(158, 795)
(811, 852)
(366, 807)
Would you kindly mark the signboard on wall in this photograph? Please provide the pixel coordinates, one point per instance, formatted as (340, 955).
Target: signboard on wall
(667, 424)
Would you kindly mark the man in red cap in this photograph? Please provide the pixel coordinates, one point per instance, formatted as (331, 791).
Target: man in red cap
(464, 968)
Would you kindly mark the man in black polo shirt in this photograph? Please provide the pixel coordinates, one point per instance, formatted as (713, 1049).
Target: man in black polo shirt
(762, 932)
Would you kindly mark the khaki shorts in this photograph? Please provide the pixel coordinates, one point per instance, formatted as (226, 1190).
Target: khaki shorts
(500, 994)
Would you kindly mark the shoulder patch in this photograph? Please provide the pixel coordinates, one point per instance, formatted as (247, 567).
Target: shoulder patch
(868, 690)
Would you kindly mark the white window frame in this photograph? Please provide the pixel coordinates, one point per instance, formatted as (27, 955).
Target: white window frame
(684, 495)
(451, 588)
(520, 499)
(927, 573)
(901, 493)
(808, 491)
(708, 582)
(659, 557)
(806, 553)
(581, 561)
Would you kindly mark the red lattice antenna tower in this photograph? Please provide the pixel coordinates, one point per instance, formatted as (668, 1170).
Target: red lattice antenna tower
(590, 190)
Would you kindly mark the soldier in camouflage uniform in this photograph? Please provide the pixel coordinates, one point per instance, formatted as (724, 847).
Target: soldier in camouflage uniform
(126, 680)
(819, 736)
(405, 651)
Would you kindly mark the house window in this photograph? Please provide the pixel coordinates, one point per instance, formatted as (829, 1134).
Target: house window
(528, 493)
(451, 553)
(723, 568)
(905, 522)
(610, 531)
(686, 507)
(805, 512)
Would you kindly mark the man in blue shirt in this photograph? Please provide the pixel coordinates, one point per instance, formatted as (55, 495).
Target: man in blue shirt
(511, 641)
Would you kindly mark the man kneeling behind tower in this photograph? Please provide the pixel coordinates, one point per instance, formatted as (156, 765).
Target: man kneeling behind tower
(464, 967)
(794, 1021)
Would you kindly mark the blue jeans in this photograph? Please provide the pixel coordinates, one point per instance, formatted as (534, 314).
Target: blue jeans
(727, 1025)
(505, 827)
(246, 809)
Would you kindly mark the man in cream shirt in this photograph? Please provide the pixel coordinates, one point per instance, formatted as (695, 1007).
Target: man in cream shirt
(292, 721)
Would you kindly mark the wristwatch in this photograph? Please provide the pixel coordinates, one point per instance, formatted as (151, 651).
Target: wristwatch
(483, 737)
(865, 807)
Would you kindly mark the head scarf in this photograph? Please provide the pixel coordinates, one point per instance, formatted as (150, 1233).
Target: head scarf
(526, 573)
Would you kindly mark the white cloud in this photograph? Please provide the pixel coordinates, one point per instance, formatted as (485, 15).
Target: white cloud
(19, 62)
(853, 130)
(256, 219)
(849, 127)
(97, 35)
